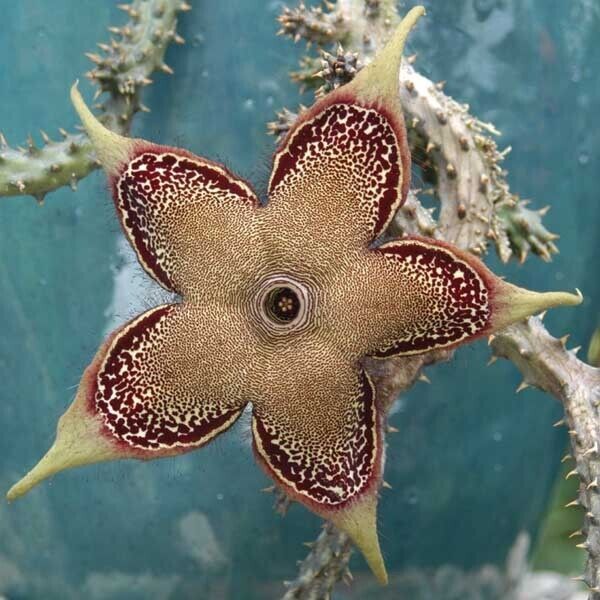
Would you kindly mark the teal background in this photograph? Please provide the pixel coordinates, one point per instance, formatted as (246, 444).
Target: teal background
(473, 464)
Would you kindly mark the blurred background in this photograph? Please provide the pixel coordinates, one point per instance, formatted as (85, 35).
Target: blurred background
(475, 470)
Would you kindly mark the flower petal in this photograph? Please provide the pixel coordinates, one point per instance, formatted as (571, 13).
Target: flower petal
(344, 168)
(177, 209)
(420, 294)
(325, 449)
(147, 395)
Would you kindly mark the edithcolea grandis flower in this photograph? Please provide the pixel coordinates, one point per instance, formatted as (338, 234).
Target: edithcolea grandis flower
(280, 303)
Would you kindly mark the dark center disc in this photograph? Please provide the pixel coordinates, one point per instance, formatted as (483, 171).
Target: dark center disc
(282, 304)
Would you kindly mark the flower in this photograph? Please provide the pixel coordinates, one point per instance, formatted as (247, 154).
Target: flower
(280, 303)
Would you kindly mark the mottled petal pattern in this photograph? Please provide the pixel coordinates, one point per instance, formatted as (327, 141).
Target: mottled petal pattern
(324, 473)
(318, 432)
(445, 296)
(178, 211)
(157, 387)
(349, 153)
(146, 399)
(163, 194)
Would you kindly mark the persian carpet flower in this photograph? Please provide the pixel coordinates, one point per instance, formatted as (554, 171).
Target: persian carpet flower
(280, 302)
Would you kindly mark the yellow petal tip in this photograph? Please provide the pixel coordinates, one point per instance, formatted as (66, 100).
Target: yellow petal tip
(378, 81)
(47, 467)
(78, 442)
(513, 303)
(359, 522)
(112, 149)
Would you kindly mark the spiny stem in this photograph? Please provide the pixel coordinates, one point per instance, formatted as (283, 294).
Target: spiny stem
(122, 69)
(546, 363)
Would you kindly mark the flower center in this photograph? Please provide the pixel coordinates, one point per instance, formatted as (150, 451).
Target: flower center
(282, 304)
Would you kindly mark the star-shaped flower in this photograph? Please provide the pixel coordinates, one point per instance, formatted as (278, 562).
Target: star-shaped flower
(280, 302)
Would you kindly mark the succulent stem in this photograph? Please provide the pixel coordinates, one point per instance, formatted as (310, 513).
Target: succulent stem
(121, 71)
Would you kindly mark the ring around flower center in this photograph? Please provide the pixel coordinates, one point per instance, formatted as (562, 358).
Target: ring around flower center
(282, 304)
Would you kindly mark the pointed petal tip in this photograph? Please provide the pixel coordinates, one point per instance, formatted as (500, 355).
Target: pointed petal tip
(78, 442)
(412, 16)
(554, 299)
(112, 149)
(14, 493)
(359, 522)
(378, 81)
(377, 566)
(39, 473)
(515, 303)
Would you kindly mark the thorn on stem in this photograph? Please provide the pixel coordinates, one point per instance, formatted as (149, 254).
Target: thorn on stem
(577, 533)
(592, 450)
(563, 340)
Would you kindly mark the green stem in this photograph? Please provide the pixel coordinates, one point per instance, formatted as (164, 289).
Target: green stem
(121, 70)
